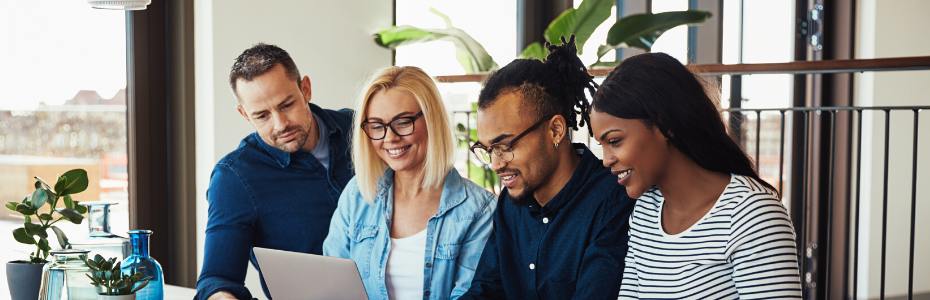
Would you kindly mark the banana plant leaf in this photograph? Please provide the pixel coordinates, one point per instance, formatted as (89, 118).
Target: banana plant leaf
(581, 22)
(470, 54)
(642, 30)
(535, 50)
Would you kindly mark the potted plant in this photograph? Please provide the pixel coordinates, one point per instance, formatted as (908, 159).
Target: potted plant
(111, 283)
(24, 277)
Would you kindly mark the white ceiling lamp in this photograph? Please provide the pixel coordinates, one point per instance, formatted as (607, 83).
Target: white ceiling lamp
(120, 4)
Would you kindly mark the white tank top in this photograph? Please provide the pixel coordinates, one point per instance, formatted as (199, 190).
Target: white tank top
(405, 266)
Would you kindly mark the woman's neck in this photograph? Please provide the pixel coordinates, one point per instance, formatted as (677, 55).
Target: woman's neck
(687, 186)
(409, 184)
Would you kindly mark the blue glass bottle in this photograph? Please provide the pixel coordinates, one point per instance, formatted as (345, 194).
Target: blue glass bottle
(140, 261)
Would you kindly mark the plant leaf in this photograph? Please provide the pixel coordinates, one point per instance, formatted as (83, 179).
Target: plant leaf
(72, 215)
(581, 22)
(20, 235)
(76, 182)
(480, 60)
(62, 238)
(60, 185)
(605, 64)
(46, 217)
(81, 209)
(25, 209)
(139, 287)
(69, 203)
(43, 244)
(39, 197)
(45, 184)
(535, 50)
(11, 205)
(642, 30)
(35, 229)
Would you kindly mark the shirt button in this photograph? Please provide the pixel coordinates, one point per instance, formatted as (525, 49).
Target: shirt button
(426, 293)
(429, 265)
(532, 267)
(545, 220)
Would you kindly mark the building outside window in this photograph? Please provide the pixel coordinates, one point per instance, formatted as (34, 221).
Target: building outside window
(63, 106)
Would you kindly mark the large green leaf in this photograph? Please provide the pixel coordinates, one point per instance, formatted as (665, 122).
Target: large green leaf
(642, 30)
(581, 22)
(68, 202)
(76, 182)
(26, 210)
(11, 205)
(71, 214)
(39, 197)
(20, 235)
(465, 45)
(62, 238)
(535, 50)
(35, 229)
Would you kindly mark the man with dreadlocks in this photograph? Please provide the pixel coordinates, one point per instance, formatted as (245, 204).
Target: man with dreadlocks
(562, 231)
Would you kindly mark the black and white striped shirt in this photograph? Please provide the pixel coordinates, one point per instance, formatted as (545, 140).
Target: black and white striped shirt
(743, 248)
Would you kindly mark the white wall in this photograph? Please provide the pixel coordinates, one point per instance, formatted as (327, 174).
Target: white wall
(330, 41)
(893, 28)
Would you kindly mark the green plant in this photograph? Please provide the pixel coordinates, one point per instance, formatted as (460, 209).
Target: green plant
(639, 31)
(69, 183)
(107, 275)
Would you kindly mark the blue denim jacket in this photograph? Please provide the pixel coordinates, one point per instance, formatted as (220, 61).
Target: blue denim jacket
(455, 236)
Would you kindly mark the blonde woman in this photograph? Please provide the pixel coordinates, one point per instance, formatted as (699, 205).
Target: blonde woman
(414, 227)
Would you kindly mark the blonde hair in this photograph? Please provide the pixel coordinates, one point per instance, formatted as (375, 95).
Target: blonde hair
(440, 155)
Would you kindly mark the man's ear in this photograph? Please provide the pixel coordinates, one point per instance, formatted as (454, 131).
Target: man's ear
(557, 128)
(244, 114)
(305, 87)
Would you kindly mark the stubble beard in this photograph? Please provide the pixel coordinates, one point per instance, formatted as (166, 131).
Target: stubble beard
(542, 166)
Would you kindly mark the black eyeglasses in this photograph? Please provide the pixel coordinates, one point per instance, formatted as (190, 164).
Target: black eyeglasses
(401, 126)
(504, 150)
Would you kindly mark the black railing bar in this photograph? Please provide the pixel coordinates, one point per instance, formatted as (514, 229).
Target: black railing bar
(910, 274)
(828, 108)
(804, 244)
(758, 138)
(781, 157)
(855, 262)
(829, 246)
(885, 203)
(803, 72)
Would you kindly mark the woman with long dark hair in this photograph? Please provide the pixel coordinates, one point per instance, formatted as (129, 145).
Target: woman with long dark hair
(705, 225)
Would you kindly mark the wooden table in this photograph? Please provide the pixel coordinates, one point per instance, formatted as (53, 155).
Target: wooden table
(173, 292)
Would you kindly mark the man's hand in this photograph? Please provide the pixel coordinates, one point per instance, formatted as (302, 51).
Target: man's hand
(222, 296)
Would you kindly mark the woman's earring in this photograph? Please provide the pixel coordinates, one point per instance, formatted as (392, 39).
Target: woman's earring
(557, 145)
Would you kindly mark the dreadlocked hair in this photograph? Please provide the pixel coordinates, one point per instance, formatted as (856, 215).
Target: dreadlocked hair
(554, 86)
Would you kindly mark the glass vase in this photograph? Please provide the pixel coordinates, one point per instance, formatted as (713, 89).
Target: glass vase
(65, 278)
(139, 261)
(99, 238)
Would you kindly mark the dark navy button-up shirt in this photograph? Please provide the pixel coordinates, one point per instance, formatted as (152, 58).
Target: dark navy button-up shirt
(572, 248)
(261, 196)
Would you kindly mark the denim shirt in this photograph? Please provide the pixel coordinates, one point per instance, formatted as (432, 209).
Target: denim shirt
(261, 196)
(455, 236)
(574, 247)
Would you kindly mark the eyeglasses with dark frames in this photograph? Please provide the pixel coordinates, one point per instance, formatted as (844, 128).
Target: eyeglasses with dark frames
(401, 126)
(503, 150)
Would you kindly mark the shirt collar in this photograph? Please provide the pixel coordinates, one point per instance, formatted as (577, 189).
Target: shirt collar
(453, 190)
(586, 166)
(284, 158)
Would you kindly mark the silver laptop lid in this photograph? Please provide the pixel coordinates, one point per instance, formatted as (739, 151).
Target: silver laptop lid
(292, 275)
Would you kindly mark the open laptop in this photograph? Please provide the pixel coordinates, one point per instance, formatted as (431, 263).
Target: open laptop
(292, 275)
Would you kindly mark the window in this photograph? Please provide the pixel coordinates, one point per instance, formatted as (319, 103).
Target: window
(63, 106)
